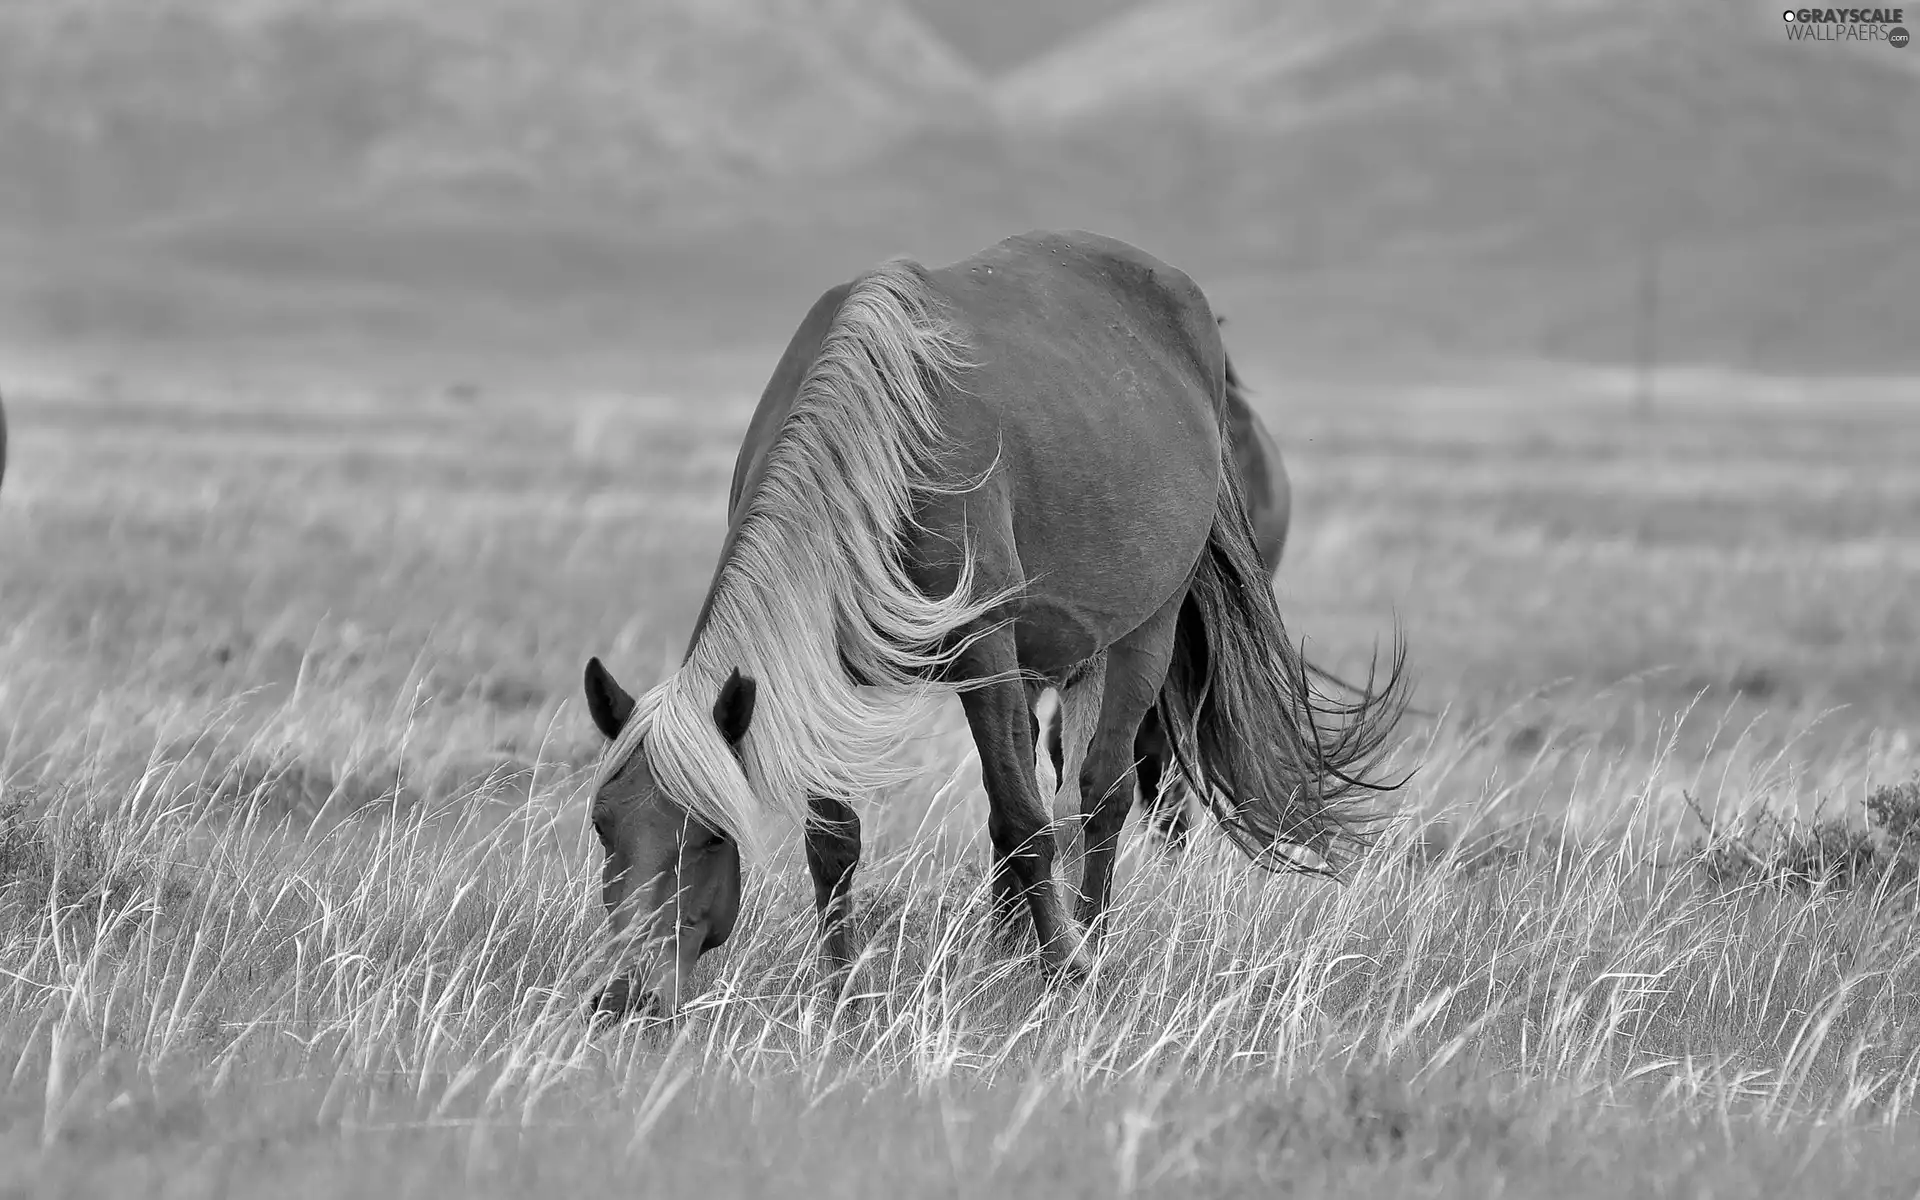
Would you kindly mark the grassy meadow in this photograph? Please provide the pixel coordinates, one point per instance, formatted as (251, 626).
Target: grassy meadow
(297, 895)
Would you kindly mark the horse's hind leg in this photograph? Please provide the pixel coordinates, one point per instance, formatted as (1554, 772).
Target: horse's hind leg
(833, 853)
(1000, 714)
(1163, 793)
(1136, 667)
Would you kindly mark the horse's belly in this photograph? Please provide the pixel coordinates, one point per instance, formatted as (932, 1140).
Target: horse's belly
(1098, 566)
(1109, 506)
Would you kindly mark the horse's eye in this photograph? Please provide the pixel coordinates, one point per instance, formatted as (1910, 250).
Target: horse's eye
(600, 824)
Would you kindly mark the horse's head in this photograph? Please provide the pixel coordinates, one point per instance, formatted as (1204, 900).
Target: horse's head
(671, 882)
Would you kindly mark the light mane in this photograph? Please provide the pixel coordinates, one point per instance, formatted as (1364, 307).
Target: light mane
(817, 572)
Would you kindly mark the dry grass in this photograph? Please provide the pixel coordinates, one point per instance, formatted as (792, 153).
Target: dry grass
(295, 894)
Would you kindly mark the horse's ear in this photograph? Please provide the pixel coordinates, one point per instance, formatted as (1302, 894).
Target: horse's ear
(733, 711)
(607, 701)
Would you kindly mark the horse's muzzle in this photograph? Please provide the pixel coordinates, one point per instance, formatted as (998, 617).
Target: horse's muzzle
(627, 997)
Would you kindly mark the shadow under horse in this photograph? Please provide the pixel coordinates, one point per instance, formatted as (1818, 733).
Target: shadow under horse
(1006, 474)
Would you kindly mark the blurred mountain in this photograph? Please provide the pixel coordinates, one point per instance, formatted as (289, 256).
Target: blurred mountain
(1538, 125)
(137, 109)
(997, 35)
(1479, 176)
(1469, 176)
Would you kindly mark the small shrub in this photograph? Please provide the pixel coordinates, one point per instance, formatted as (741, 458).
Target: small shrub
(24, 850)
(1830, 853)
(1894, 811)
(63, 864)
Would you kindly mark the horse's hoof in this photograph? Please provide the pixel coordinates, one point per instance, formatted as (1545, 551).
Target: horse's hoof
(621, 1002)
(834, 975)
(1074, 963)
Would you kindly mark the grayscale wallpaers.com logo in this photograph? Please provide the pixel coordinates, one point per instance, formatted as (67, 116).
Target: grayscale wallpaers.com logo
(1847, 25)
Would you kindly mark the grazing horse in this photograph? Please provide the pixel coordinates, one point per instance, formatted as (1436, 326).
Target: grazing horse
(987, 478)
(1256, 456)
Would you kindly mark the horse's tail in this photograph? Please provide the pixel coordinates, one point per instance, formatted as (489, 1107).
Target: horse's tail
(1246, 723)
(1275, 537)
